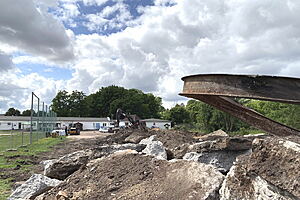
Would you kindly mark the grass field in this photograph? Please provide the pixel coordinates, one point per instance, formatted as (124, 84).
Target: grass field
(15, 139)
(43, 145)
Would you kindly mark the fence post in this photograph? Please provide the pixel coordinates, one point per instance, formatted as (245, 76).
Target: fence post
(46, 122)
(37, 121)
(31, 115)
(23, 136)
(43, 119)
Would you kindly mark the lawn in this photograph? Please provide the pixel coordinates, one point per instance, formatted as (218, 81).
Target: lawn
(7, 165)
(15, 139)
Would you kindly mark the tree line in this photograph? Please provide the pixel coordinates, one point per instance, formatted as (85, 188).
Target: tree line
(195, 115)
(16, 112)
(105, 102)
(202, 117)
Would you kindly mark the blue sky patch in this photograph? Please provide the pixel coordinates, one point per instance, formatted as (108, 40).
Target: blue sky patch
(55, 73)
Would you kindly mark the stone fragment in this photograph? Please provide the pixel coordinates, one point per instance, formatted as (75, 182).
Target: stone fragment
(222, 160)
(34, 186)
(271, 171)
(68, 164)
(154, 148)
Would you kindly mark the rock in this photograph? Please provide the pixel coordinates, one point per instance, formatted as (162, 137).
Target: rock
(270, 172)
(154, 148)
(213, 136)
(148, 140)
(34, 186)
(238, 143)
(109, 149)
(192, 156)
(204, 146)
(62, 195)
(47, 164)
(63, 167)
(229, 143)
(260, 189)
(134, 138)
(68, 164)
(222, 160)
(136, 176)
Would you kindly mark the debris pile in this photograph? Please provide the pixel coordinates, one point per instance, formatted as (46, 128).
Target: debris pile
(271, 171)
(176, 165)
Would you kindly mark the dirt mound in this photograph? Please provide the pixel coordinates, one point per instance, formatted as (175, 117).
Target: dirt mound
(272, 170)
(134, 176)
(176, 142)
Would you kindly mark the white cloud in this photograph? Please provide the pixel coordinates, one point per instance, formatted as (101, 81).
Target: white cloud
(15, 90)
(112, 17)
(190, 37)
(33, 30)
(5, 62)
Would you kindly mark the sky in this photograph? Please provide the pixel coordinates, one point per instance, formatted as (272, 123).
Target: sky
(52, 45)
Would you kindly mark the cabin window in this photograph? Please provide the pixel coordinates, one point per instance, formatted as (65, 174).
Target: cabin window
(104, 124)
(8, 123)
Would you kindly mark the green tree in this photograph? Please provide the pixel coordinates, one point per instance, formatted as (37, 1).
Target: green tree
(106, 101)
(288, 114)
(209, 119)
(12, 112)
(179, 114)
(26, 113)
(60, 104)
(77, 104)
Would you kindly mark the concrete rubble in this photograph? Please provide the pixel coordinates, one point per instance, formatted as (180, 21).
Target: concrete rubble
(154, 148)
(34, 186)
(270, 172)
(109, 149)
(222, 160)
(66, 165)
(146, 179)
(212, 167)
(63, 167)
(218, 149)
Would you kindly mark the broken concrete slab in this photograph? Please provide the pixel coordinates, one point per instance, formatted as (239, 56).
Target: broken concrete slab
(228, 143)
(47, 164)
(68, 164)
(136, 176)
(270, 172)
(135, 138)
(34, 186)
(109, 149)
(222, 160)
(260, 189)
(154, 148)
(213, 136)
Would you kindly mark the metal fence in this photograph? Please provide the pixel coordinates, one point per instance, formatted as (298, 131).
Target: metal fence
(27, 131)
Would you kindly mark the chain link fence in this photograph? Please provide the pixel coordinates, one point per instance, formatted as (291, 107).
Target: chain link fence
(19, 131)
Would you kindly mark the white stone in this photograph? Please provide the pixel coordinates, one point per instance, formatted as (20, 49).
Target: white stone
(154, 148)
(292, 145)
(34, 186)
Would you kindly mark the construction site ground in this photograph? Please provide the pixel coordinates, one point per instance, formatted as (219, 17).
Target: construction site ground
(87, 139)
(136, 176)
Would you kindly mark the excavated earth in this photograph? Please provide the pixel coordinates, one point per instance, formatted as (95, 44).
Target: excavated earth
(134, 176)
(259, 167)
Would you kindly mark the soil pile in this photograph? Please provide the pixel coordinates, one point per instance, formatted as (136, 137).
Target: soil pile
(135, 176)
(271, 171)
(175, 142)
